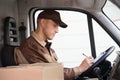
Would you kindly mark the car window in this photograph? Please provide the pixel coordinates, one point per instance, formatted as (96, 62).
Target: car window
(72, 41)
(113, 12)
(103, 41)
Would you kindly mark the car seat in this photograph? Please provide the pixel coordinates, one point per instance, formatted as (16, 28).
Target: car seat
(11, 40)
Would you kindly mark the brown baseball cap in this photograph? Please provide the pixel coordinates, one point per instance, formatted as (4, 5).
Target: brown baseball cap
(53, 15)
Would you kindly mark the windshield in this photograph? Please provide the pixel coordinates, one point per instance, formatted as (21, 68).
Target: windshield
(112, 11)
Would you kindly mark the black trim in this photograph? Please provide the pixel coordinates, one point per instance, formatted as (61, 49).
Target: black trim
(29, 13)
(91, 35)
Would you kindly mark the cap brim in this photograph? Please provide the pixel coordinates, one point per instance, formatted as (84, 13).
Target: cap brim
(62, 24)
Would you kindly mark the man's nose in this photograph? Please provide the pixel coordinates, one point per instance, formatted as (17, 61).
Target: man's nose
(57, 30)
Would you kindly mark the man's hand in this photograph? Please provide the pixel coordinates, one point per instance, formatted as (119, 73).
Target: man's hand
(86, 63)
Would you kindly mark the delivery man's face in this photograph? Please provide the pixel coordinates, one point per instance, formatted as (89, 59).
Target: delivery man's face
(50, 28)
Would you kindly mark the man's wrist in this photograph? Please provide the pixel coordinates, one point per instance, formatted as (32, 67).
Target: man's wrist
(77, 71)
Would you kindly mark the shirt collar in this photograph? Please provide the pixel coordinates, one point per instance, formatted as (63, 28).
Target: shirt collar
(37, 38)
(48, 44)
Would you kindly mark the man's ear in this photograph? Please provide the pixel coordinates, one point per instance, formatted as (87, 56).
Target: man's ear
(43, 22)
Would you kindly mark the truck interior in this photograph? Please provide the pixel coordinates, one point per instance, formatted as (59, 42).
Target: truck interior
(93, 29)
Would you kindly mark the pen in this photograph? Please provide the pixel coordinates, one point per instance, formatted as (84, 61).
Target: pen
(84, 55)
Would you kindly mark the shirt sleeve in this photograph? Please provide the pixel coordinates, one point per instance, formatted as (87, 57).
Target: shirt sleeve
(70, 73)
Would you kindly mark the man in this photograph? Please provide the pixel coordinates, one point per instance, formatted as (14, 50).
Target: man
(37, 48)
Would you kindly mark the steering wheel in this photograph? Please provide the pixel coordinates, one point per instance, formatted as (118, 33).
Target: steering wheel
(100, 58)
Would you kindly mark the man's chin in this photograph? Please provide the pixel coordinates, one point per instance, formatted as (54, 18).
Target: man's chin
(50, 38)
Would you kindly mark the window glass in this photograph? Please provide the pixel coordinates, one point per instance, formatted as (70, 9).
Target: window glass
(103, 41)
(71, 42)
(113, 12)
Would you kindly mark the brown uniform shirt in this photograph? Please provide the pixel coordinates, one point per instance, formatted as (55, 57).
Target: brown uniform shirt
(35, 50)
